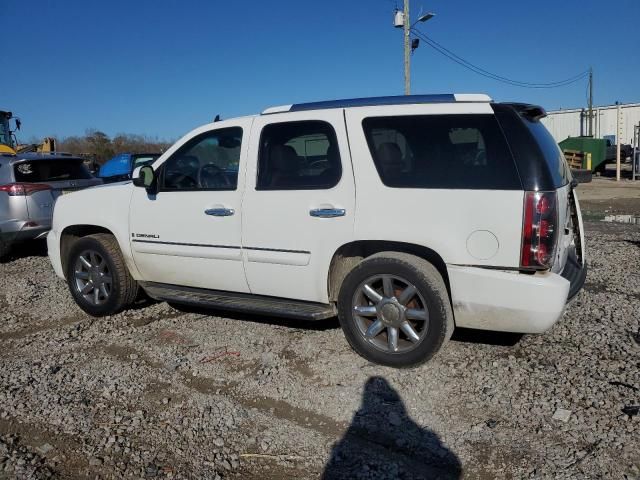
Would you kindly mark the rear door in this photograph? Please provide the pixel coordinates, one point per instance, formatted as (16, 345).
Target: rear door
(299, 204)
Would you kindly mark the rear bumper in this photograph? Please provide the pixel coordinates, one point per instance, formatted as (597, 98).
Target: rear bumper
(18, 230)
(574, 273)
(507, 301)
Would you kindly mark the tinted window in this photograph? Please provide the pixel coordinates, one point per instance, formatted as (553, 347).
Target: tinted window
(298, 156)
(51, 170)
(207, 162)
(441, 151)
(551, 152)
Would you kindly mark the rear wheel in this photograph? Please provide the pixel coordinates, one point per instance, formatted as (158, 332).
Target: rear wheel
(394, 309)
(98, 277)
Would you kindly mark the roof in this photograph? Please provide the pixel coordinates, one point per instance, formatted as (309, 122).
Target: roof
(38, 156)
(377, 101)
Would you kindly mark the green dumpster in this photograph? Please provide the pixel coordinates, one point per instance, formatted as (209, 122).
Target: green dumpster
(597, 147)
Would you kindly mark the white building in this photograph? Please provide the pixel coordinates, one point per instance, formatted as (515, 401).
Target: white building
(575, 122)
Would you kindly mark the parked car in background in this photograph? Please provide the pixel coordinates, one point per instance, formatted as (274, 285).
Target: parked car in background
(405, 216)
(626, 151)
(119, 168)
(30, 184)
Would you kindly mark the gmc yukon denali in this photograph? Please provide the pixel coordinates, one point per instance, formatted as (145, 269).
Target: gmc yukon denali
(404, 216)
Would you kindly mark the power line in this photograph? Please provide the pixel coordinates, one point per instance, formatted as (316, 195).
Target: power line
(485, 73)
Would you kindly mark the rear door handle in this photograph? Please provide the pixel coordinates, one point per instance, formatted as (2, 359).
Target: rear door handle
(220, 212)
(327, 212)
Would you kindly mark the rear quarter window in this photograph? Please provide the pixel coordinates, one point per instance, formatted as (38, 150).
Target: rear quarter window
(441, 151)
(51, 170)
(551, 152)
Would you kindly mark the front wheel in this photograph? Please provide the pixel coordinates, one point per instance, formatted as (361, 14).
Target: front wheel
(394, 309)
(98, 277)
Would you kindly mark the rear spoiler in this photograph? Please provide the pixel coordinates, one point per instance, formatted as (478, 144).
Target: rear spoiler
(531, 112)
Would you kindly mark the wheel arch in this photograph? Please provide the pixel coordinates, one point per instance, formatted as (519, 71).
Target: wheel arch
(350, 254)
(73, 232)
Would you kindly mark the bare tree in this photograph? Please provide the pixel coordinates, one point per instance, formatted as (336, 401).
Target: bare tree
(98, 145)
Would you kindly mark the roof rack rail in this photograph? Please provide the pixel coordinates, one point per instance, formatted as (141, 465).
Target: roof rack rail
(376, 101)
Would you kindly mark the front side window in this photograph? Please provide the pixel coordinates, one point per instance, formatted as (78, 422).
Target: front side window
(441, 151)
(142, 160)
(298, 156)
(207, 162)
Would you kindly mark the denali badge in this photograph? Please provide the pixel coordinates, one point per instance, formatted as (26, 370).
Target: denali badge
(144, 235)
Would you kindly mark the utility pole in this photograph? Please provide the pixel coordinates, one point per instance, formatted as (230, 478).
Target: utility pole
(402, 20)
(618, 139)
(407, 52)
(590, 101)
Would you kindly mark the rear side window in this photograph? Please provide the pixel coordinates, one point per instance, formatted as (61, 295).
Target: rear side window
(441, 151)
(551, 152)
(51, 170)
(298, 156)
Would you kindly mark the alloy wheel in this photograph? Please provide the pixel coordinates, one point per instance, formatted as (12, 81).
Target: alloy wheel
(92, 277)
(390, 313)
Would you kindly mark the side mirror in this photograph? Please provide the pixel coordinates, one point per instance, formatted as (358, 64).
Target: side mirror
(144, 177)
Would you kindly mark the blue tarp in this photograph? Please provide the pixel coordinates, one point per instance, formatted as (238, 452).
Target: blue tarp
(118, 165)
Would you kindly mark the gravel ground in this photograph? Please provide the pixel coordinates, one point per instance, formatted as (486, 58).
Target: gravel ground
(156, 392)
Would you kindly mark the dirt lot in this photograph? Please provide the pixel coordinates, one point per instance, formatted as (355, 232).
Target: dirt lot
(156, 392)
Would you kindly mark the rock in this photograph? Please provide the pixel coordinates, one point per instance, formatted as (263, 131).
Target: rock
(44, 449)
(562, 415)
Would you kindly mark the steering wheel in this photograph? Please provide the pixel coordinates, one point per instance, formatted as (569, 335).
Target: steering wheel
(205, 178)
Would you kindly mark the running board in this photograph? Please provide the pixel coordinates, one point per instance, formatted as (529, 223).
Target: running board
(239, 302)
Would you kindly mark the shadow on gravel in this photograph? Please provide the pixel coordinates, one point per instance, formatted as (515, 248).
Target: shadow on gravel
(383, 442)
(328, 324)
(488, 337)
(28, 248)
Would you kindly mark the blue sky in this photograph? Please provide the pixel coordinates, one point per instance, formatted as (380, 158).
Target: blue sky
(163, 67)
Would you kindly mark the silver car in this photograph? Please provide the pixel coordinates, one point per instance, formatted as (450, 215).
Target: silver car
(30, 183)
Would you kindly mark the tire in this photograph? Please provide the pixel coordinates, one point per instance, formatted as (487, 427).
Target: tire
(107, 263)
(430, 296)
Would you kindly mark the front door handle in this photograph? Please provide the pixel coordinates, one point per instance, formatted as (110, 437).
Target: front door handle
(220, 212)
(327, 212)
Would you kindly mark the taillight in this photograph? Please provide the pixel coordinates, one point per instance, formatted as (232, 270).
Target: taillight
(22, 189)
(539, 231)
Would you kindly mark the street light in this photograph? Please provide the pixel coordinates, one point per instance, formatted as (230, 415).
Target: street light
(424, 18)
(401, 19)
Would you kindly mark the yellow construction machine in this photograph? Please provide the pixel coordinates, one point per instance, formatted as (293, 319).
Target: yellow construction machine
(8, 142)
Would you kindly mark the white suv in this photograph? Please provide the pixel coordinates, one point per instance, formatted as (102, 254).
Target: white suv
(405, 216)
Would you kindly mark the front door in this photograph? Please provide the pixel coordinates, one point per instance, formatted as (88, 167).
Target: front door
(189, 232)
(299, 203)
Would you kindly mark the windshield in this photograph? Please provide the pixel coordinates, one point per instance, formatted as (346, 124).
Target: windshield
(5, 133)
(51, 170)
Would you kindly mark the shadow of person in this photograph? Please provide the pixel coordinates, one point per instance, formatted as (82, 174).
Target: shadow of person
(382, 442)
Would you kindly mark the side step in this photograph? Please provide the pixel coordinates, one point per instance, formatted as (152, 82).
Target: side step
(239, 302)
